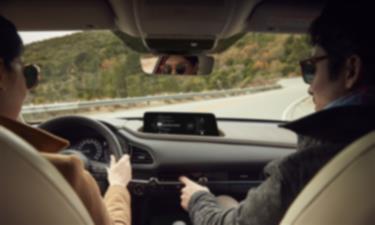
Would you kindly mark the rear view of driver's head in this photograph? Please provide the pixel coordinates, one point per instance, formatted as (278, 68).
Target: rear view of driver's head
(12, 82)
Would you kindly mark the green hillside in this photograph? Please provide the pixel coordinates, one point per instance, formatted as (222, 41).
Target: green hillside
(96, 65)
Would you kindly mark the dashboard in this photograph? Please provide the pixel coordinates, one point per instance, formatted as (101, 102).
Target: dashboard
(229, 164)
(222, 162)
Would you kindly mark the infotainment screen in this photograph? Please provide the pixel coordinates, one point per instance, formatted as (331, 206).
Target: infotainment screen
(180, 123)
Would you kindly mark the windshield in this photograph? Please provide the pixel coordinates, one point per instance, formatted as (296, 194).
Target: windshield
(93, 73)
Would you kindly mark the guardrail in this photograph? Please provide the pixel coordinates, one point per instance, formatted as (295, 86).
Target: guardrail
(69, 106)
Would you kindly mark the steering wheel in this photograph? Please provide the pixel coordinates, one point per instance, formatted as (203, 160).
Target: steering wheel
(61, 125)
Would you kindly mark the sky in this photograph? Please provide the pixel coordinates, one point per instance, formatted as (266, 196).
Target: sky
(30, 37)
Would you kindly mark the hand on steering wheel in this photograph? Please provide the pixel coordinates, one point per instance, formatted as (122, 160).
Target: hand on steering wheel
(62, 125)
(120, 172)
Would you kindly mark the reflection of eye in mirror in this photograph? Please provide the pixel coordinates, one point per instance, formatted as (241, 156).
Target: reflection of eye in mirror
(177, 65)
(166, 69)
(180, 69)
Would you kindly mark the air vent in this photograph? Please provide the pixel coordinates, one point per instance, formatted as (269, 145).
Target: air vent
(140, 156)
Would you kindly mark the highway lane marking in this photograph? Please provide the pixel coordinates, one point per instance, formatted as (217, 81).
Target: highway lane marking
(291, 106)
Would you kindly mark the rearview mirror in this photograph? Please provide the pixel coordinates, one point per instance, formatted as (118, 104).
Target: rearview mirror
(177, 65)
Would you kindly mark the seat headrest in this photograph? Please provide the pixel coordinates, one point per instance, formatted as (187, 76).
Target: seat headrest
(342, 191)
(32, 190)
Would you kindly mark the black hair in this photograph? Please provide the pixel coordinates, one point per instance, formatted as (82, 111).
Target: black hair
(343, 30)
(192, 59)
(11, 45)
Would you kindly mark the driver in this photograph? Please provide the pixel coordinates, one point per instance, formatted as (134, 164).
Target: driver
(15, 82)
(180, 65)
(341, 75)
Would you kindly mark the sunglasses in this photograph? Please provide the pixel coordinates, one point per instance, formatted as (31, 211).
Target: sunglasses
(179, 69)
(308, 68)
(31, 73)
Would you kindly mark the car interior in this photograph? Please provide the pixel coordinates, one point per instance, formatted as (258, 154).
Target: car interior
(345, 181)
(206, 153)
(33, 197)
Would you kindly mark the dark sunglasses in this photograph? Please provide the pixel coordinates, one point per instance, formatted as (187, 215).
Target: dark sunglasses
(31, 73)
(180, 69)
(308, 68)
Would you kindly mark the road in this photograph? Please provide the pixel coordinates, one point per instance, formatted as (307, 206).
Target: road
(273, 104)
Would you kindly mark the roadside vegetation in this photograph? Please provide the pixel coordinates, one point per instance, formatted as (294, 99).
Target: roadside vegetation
(97, 65)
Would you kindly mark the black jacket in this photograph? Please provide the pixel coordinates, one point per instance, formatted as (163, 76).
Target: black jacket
(320, 137)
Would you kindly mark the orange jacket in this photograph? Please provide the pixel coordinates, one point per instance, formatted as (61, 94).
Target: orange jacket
(114, 209)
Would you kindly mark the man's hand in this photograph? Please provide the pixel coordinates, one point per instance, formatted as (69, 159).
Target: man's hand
(190, 188)
(120, 172)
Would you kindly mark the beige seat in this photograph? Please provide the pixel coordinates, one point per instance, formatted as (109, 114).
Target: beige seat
(31, 190)
(343, 192)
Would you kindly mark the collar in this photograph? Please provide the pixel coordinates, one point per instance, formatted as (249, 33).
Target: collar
(41, 140)
(336, 124)
(362, 96)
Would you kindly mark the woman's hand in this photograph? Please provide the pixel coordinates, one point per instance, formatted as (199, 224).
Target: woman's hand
(120, 172)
